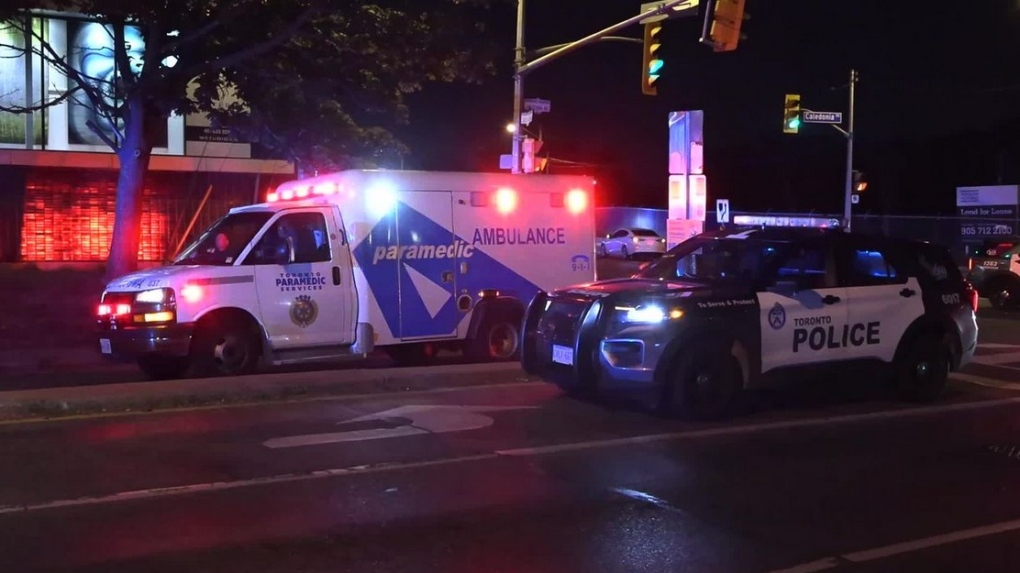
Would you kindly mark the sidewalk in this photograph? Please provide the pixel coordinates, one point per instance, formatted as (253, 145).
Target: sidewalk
(149, 396)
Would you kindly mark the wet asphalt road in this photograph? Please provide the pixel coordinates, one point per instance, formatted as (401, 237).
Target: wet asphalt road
(518, 478)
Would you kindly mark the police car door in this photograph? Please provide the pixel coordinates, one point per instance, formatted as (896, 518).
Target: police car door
(883, 299)
(305, 301)
(803, 308)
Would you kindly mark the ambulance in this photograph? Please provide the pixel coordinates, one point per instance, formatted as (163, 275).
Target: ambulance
(337, 265)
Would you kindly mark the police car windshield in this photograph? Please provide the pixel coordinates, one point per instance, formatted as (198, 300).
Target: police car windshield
(712, 260)
(223, 242)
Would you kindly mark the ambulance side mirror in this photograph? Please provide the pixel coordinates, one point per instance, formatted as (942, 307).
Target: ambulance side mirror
(281, 253)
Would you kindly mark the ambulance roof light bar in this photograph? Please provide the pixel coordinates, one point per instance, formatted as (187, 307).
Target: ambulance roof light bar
(778, 221)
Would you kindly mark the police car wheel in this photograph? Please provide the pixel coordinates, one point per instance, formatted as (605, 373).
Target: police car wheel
(924, 371)
(225, 347)
(704, 386)
(624, 253)
(1003, 295)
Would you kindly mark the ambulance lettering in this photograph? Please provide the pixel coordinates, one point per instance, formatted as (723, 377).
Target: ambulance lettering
(533, 236)
(458, 250)
(819, 337)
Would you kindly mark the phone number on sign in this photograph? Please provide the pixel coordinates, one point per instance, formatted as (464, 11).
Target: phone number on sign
(985, 230)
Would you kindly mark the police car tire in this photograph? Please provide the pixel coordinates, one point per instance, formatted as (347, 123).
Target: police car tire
(684, 397)
(1003, 293)
(915, 385)
(207, 339)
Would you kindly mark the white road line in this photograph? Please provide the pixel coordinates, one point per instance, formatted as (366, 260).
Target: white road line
(996, 359)
(904, 547)
(515, 452)
(985, 381)
(997, 345)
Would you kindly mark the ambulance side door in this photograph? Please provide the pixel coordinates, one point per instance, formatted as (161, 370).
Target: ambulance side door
(301, 263)
(803, 308)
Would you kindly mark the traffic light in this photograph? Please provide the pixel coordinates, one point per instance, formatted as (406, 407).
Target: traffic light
(721, 28)
(651, 63)
(860, 183)
(791, 114)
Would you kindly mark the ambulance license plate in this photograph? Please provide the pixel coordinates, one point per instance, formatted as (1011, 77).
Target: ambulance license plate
(104, 346)
(563, 355)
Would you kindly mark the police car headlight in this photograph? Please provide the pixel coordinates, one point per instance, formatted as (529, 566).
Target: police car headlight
(156, 296)
(647, 314)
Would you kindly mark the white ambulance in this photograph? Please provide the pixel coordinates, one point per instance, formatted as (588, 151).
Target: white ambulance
(337, 265)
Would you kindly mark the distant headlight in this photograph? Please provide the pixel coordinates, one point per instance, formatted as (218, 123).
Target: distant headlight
(156, 295)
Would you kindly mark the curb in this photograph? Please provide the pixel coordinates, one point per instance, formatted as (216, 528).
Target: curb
(151, 396)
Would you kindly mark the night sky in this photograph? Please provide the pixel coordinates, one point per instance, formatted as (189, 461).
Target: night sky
(938, 103)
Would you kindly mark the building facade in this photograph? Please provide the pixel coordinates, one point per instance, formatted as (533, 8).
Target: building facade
(58, 179)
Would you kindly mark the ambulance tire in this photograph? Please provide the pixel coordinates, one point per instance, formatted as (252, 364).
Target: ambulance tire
(225, 344)
(159, 367)
(498, 338)
(704, 384)
(922, 373)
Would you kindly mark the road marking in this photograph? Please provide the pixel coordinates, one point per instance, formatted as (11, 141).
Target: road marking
(985, 381)
(997, 345)
(904, 547)
(513, 452)
(996, 359)
(424, 419)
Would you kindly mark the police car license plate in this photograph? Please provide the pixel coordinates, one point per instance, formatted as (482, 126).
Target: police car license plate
(563, 355)
(104, 346)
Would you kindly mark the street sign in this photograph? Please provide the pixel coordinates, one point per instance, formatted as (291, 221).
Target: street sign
(822, 116)
(688, 8)
(506, 161)
(722, 210)
(526, 117)
(855, 198)
(537, 105)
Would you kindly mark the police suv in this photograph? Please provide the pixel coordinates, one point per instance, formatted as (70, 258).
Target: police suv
(746, 307)
(994, 270)
(336, 265)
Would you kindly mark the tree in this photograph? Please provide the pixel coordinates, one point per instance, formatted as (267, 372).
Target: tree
(318, 80)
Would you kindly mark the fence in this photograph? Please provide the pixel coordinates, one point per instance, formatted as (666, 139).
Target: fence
(960, 234)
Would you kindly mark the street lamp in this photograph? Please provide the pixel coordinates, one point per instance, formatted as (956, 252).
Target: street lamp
(511, 128)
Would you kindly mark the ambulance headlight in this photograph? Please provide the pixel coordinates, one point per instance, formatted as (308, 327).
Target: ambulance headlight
(155, 296)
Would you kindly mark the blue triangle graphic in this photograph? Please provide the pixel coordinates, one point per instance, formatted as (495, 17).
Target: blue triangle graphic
(406, 236)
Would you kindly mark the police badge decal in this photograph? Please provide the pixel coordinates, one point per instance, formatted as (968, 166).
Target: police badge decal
(304, 311)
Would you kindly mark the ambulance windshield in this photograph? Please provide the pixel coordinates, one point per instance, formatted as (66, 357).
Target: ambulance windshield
(712, 260)
(224, 241)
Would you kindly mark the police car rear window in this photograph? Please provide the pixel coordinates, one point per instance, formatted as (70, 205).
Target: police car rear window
(936, 263)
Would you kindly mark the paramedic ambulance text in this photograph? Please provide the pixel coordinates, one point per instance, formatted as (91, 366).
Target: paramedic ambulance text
(461, 249)
(820, 337)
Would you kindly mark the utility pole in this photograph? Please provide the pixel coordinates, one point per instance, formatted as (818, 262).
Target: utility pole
(515, 165)
(521, 67)
(848, 198)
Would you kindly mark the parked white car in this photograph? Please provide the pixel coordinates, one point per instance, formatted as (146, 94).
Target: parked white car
(628, 242)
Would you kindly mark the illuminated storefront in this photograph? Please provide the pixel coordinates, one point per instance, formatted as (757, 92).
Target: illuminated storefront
(58, 179)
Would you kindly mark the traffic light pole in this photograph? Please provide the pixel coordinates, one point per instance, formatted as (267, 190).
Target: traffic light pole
(848, 194)
(521, 67)
(515, 164)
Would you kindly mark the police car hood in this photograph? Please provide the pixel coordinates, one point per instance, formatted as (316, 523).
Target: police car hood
(159, 277)
(634, 286)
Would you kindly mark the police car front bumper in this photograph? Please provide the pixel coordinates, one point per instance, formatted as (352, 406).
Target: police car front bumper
(576, 344)
(130, 343)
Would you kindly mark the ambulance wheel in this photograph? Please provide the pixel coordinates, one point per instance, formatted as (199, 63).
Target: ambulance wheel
(224, 345)
(158, 367)
(704, 385)
(498, 339)
(923, 372)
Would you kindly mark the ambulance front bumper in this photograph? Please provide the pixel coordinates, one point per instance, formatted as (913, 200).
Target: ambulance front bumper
(130, 343)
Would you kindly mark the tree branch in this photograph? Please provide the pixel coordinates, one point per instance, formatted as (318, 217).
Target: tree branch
(41, 106)
(282, 37)
(115, 146)
(120, 54)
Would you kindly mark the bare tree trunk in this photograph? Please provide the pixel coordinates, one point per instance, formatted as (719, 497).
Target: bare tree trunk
(134, 154)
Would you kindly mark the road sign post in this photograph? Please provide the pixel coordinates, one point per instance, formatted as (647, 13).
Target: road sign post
(722, 211)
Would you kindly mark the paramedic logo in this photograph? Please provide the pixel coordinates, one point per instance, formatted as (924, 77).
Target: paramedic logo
(777, 317)
(298, 282)
(304, 311)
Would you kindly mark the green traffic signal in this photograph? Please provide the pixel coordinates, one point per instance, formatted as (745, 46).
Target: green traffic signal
(794, 123)
(654, 66)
